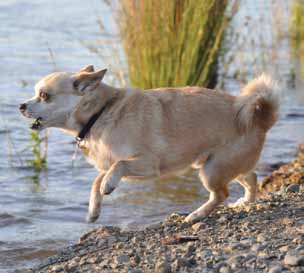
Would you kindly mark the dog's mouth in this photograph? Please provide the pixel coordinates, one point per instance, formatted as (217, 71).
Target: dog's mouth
(37, 124)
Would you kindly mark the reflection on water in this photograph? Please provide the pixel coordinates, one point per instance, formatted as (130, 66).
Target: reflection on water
(41, 213)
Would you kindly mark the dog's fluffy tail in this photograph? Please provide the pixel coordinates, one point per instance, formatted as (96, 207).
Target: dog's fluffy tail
(258, 104)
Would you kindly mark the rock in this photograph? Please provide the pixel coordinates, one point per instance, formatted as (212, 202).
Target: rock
(72, 265)
(261, 238)
(204, 254)
(293, 188)
(135, 240)
(235, 261)
(187, 249)
(135, 271)
(135, 260)
(284, 248)
(162, 267)
(300, 249)
(122, 259)
(293, 258)
(198, 226)
(275, 269)
(225, 269)
(263, 254)
(258, 247)
(57, 268)
(223, 219)
(111, 239)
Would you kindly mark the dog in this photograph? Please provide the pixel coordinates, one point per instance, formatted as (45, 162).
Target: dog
(134, 134)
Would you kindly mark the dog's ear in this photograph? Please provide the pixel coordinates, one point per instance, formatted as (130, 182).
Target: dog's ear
(86, 81)
(87, 68)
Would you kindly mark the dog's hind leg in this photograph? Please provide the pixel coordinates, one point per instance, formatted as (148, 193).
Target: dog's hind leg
(95, 199)
(135, 167)
(249, 182)
(214, 180)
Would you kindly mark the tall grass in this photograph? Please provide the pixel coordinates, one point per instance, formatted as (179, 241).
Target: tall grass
(296, 30)
(173, 43)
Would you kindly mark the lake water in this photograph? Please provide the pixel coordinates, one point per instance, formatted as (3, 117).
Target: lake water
(41, 214)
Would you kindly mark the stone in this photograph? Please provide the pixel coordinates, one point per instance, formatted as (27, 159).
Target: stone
(293, 258)
(258, 247)
(122, 259)
(223, 219)
(262, 254)
(135, 271)
(162, 267)
(275, 269)
(235, 261)
(135, 260)
(261, 238)
(111, 239)
(57, 268)
(187, 249)
(225, 269)
(284, 248)
(73, 265)
(198, 226)
(293, 188)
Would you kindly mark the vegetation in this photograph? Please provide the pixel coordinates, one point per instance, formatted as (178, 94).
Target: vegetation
(296, 30)
(39, 153)
(173, 43)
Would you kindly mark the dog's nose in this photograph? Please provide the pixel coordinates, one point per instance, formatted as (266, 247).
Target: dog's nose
(22, 107)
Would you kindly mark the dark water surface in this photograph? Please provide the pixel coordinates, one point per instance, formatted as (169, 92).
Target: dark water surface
(40, 215)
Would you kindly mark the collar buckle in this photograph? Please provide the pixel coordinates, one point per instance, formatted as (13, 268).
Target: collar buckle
(78, 140)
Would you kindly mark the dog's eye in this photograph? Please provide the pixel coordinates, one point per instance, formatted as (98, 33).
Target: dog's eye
(43, 95)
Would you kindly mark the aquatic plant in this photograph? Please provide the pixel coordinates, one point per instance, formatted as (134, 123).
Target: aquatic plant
(173, 43)
(39, 152)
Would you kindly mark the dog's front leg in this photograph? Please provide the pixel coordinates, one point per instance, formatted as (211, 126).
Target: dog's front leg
(137, 167)
(95, 199)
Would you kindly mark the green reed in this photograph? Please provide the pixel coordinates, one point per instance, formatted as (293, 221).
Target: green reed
(173, 43)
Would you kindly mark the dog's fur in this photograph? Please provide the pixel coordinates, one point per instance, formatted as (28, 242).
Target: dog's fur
(146, 134)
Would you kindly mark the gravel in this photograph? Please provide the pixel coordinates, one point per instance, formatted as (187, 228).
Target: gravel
(267, 236)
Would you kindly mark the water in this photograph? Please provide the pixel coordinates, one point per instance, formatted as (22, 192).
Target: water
(41, 214)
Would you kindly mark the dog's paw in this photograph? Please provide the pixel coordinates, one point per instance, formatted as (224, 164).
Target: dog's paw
(108, 184)
(192, 218)
(241, 202)
(92, 217)
(108, 190)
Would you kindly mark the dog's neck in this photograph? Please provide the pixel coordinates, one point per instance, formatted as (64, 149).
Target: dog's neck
(90, 104)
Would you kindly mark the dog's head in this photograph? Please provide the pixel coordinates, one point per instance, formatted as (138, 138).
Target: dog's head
(57, 95)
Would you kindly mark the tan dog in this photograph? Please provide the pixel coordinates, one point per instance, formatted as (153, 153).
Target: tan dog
(146, 134)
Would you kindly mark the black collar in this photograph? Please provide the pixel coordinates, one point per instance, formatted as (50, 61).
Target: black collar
(86, 129)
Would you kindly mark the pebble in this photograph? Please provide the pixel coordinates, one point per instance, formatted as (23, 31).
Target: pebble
(135, 271)
(293, 258)
(293, 188)
(284, 248)
(235, 261)
(225, 269)
(57, 268)
(198, 226)
(261, 238)
(258, 247)
(135, 259)
(162, 267)
(122, 259)
(275, 269)
(204, 254)
(261, 242)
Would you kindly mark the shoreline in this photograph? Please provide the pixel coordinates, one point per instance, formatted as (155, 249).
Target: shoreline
(267, 236)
